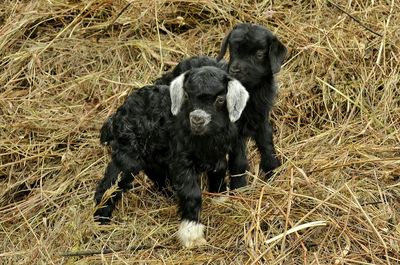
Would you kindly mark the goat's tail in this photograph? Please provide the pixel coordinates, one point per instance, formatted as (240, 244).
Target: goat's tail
(106, 132)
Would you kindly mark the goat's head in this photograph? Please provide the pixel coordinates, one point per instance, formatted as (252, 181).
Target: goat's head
(254, 53)
(208, 97)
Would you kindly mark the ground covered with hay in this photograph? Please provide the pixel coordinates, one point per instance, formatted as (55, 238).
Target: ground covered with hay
(66, 65)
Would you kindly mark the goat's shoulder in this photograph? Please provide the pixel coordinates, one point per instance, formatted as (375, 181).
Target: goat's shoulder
(263, 93)
(259, 105)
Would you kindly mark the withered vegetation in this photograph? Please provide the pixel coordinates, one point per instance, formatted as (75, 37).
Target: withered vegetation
(67, 65)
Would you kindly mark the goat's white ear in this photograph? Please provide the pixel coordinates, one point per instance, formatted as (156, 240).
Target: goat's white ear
(176, 93)
(236, 99)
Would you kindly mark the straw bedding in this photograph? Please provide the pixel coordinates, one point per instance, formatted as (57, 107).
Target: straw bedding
(67, 65)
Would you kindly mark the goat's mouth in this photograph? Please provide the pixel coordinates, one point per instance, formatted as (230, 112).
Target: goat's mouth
(198, 130)
(238, 75)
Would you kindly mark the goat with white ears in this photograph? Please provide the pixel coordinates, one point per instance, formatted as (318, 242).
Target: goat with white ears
(174, 133)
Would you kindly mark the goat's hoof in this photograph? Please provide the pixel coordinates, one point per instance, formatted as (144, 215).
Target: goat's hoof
(196, 243)
(269, 165)
(220, 199)
(191, 234)
(126, 187)
(238, 181)
(103, 215)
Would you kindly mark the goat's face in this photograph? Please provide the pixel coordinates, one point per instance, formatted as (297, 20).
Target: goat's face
(254, 53)
(208, 98)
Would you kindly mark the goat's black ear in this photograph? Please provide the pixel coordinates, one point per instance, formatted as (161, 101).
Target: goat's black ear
(236, 99)
(277, 54)
(176, 93)
(106, 131)
(224, 47)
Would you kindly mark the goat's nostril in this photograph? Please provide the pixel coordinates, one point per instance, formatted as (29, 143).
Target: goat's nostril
(196, 120)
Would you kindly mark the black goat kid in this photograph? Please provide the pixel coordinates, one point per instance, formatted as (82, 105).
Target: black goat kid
(255, 56)
(174, 133)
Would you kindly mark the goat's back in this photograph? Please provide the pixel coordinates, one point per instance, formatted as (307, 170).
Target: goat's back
(142, 124)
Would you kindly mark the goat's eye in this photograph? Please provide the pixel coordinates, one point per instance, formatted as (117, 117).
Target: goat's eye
(220, 101)
(260, 54)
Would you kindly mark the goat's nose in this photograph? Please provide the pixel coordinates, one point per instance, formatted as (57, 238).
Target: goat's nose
(234, 69)
(197, 120)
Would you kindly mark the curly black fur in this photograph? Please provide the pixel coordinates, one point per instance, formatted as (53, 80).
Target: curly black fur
(173, 133)
(255, 56)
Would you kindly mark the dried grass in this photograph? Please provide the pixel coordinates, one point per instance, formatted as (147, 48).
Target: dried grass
(66, 65)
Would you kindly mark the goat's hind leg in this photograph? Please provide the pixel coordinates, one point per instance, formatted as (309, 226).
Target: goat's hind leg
(115, 171)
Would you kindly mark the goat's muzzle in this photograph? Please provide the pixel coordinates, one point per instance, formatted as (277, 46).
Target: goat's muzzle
(234, 69)
(237, 70)
(199, 119)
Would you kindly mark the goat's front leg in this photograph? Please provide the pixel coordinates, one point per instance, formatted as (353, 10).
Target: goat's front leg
(216, 177)
(191, 231)
(265, 144)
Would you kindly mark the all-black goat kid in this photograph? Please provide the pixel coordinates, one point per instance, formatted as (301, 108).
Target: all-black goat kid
(174, 133)
(255, 56)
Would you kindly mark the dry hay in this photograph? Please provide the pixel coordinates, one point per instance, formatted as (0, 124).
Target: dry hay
(66, 65)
